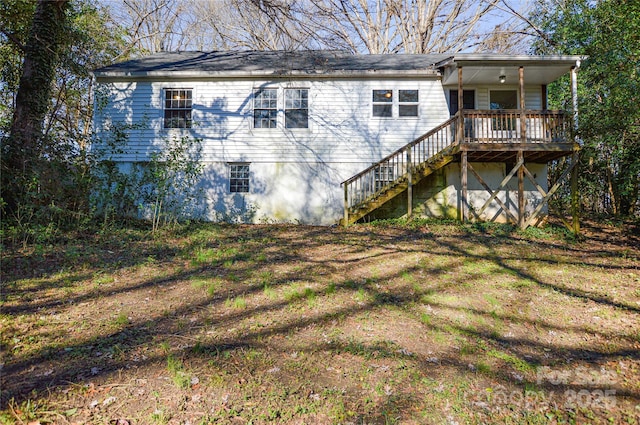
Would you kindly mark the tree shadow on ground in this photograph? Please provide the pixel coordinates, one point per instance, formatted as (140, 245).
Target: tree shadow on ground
(350, 275)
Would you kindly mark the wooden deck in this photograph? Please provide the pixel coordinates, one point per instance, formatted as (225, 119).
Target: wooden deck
(510, 136)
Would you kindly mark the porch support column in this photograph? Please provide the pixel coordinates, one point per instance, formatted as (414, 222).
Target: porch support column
(409, 183)
(574, 96)
(523, 118)
(520, 160)
(460, 107)
(464, 205)
(575, 202)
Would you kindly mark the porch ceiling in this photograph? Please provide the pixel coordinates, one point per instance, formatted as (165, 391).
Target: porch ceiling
(486, 69)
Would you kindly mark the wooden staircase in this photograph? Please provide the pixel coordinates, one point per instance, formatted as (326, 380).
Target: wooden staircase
(476, 135)
(398, 172)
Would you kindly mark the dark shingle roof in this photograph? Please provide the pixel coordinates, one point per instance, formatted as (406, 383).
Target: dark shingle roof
(269, 63)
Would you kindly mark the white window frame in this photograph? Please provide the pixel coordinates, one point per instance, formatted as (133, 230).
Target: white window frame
(169, 96)
(393, 103)
(261, 107)
(239, 177)
(378, 99)
(505, 124)
(383, 175)
(303, 105)
(412, 103)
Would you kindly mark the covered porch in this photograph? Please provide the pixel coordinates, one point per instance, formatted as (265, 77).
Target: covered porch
(507, 132)
(510, 131)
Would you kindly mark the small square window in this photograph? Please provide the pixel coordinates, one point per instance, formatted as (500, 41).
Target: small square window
(178, 105)
(383, 176)
(238, 178)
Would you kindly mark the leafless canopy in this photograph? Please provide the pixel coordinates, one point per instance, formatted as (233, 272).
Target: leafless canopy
(362, 26)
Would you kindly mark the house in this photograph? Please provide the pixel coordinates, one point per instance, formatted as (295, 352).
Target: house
(320, 137)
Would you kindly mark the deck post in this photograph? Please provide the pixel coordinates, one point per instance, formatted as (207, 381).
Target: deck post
(463, 183)
(346, 205)
(460, 128)
(575, 203)
(521, 190)
(523, 116)
(409, 184)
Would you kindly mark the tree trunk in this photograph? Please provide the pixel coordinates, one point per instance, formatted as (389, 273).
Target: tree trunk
(23, 147)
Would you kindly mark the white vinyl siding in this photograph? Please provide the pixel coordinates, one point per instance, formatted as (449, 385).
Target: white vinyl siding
(295, 174)
(339, 126)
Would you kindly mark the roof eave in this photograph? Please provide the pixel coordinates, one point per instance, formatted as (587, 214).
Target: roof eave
(180, 75)
(467, 59)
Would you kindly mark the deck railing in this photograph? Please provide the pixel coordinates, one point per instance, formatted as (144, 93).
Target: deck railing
(479, 127)
(514, 126)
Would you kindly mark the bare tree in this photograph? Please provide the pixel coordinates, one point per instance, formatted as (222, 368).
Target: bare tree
(402, 26)
(356, 25)
(359, 26)
(156, 25)
(249, 24)
(437, 26)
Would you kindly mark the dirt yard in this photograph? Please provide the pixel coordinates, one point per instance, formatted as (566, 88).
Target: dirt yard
(428, 323)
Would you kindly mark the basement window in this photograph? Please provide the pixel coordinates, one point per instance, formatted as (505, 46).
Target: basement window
(383, 176)
(239, 178)
(177, 108)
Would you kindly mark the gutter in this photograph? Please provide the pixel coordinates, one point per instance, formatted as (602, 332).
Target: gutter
(261, 74)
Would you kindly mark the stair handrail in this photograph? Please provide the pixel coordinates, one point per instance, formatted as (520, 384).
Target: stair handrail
(395, 167)
(404, 148)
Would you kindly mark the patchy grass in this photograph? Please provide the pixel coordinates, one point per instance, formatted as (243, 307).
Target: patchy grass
(415, 323)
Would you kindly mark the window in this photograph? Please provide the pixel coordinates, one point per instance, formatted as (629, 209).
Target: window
(504, 99)
(177, 108)
(238, 178)
(265, 108)
(383, 176)
(407, 103)
(403, 103)
(501, 100)
(382, 103)
(296, 108)
(468, 100)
